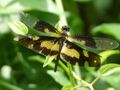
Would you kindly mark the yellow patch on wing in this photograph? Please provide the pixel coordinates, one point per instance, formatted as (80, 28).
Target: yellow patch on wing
(70, 52)
(34, 38)
(47, 44)
(95, 61)
(51, 33)
(76, 64)
(82, 42)
(46, 30)
(71, 39)
(55, 47)
(85, 53)
(30, 46)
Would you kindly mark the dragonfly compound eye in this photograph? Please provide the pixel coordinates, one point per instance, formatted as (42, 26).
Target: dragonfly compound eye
(65, 28)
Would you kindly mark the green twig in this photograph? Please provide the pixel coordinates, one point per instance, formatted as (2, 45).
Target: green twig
(87, 84)
(70, 74)
(61, 12)
(63, 21)
(68, 71)
(78, 73)
(84, 84)
(63, 66)
(42, 60)
(96, 79)
(9, 86)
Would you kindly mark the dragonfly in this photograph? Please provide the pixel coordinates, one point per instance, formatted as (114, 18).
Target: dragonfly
(65, 46)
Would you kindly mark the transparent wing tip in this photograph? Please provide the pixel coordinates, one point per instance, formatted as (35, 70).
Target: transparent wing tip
(106, 44)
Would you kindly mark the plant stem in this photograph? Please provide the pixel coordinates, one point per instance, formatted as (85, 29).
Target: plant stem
(70, 74)
(97, 78)
(9, 86)
(84, 84)
(61, 12)
(63, 66)
(88, 85)
(78, 73)
(63, 22)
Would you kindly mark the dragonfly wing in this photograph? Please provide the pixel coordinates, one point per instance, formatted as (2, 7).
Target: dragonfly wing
(105, 43)
(95, 42)
(76, 55)
(47, 28)
(40, 44)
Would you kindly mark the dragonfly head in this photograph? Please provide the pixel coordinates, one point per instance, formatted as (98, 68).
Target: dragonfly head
(65, 28)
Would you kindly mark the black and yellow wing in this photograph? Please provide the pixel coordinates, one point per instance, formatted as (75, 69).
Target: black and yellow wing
(67, 52)
(47, 28)
(40, 44)
(76, 55)
(97, 43)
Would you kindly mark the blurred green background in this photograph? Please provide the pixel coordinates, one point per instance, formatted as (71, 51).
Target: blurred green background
(21, 68)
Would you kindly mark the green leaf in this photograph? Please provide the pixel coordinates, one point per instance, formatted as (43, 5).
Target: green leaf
(42, 5)
(10, 9)
(70, 87)
(5, 3)
(112, 29)
(30, 21)
(9, 86)
(40, 60)
(18, 27)
(102, 5)
(27, 5)
(59, 77)
(82, 0)
(113, 80)
(67, 87)
(108, 69)
(108, 53)
(48, 60)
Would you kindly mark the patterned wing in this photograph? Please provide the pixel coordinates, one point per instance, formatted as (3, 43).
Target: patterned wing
(96, 42)
(74, 54)
(47, 28)
(41, 44)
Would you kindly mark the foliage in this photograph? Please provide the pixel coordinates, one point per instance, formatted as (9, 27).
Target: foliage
(22, 69)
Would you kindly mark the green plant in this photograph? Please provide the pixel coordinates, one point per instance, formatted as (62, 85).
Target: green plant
(70, 77)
